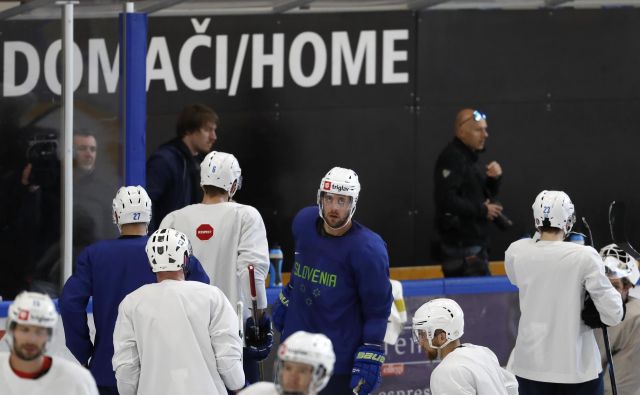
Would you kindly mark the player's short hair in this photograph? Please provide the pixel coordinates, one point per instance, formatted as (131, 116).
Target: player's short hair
(211, 190)
(193, 118)
(550, 229)
(82, 132)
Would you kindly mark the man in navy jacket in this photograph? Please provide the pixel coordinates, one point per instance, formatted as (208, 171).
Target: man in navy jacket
(173, 171)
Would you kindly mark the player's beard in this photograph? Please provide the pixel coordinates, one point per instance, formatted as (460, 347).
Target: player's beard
(335, 223)
(28, 355)
(432, 353)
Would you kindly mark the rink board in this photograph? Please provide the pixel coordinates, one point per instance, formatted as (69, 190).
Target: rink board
(491, 318)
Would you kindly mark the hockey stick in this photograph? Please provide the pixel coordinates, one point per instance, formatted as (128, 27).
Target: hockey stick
(607, 347)
(356, 390)
(616, 225)
(240, 313)
(588, 228)
(254, 311)
(605, 332)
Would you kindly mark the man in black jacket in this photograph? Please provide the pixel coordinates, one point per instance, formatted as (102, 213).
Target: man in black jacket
(173, 171)
(464, 193)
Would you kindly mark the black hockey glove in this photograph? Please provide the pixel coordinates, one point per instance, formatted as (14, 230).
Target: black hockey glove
(258, 347)
(591, 316)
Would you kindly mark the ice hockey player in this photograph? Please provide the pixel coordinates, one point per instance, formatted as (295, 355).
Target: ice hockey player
(27, 370)
(339, 285)
(227, 237)
(304, 366)
(465, 368)
(622, 271)
(176, 336)
(107, 271)
(555, 350)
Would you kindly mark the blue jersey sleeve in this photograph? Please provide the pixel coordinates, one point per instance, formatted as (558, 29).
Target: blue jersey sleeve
(371, 268)
(73, 308)
(196, 271)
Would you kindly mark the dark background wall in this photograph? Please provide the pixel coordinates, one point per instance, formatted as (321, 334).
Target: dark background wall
(561, 90)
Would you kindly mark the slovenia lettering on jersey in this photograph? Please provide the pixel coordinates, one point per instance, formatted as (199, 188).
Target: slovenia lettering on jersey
(316, 276)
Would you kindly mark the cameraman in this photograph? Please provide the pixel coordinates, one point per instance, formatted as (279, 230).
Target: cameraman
(464, 193)
(36, 225)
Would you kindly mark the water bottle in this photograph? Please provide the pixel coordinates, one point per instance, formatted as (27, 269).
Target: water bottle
(275, 269)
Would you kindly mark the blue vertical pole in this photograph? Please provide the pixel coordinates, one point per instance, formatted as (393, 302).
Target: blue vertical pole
(133, 94)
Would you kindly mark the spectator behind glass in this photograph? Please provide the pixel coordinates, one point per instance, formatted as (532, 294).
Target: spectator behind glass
(91, 195)
(173, 171)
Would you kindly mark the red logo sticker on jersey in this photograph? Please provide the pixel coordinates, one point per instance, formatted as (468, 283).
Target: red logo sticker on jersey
(204, 232)
(23, 315)
(327, 186)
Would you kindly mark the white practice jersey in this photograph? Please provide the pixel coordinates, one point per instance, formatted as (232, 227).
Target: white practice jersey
(261, 388)
(226, 239)
(553, 344)
(471, 369)
(64, 377)
(177, 337)
(624, 340)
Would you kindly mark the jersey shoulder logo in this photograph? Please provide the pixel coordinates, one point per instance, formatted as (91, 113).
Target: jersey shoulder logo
(445, 173)
(204, 232)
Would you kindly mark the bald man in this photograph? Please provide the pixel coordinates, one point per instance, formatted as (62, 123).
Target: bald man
(464, 194)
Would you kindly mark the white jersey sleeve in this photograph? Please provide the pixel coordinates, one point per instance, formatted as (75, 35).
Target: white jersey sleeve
(607, 300)
(168, 221)
(227, 346)
(253, 249)
(126, 359)
(508, 378)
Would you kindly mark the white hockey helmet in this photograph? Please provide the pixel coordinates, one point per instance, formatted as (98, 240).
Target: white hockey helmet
(314, 349)
(444, 314)
(131, 205)
(619, 263)
(221, 170)
(554, 209)
(31, 308)
(168, 250)
(340, 181)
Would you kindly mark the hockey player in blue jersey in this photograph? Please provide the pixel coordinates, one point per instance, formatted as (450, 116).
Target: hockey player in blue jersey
(339, 285)
(107, 271)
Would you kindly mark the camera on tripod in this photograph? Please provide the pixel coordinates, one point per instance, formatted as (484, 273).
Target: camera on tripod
(42, 154)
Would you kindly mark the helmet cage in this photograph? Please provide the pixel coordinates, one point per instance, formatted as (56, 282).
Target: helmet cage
(619, 263)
